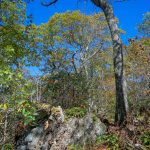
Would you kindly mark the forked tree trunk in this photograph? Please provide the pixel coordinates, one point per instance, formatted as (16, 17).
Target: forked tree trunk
(121, 101)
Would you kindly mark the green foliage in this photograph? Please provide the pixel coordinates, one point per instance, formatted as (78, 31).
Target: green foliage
(8, 146)
(65, 89)
(145, 138)
(95, 118)
(65, 45)
(43, 106)
(75, 147)
(27, 112)
(12, 33)
(13, 56)
(144, 27)
(76, 112)
(68, 43)
(15, 86)
(110, 139)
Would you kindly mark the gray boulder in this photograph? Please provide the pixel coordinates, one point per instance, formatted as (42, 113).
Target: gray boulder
(57, 134)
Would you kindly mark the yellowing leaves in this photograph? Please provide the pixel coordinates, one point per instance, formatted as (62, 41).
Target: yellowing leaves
(4, 106)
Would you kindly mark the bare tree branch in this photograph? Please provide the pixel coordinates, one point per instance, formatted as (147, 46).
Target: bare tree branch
(50, 3)
(55, 1)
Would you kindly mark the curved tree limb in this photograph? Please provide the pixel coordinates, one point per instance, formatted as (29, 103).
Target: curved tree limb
(50, 3)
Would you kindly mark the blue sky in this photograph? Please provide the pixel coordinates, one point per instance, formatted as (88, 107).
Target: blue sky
(129, 13)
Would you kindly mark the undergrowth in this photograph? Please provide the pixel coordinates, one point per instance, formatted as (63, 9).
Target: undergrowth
(75, 112)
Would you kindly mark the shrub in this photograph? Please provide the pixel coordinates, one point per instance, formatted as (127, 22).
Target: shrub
(111, 140)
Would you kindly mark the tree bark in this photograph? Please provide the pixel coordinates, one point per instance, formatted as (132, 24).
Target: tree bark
(121, 101)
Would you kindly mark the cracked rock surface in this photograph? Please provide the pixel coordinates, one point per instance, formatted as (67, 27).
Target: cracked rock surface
(57, 134)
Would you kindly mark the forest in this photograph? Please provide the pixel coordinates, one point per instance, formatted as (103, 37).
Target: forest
(92, 90)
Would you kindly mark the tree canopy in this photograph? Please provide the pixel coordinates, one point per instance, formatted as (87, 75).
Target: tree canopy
(78, 56)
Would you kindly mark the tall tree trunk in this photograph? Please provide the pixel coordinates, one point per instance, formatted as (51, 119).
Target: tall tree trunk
(121, 101)
(121, 106)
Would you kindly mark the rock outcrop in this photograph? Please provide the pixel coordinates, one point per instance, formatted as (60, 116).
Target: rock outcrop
(57, 133)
